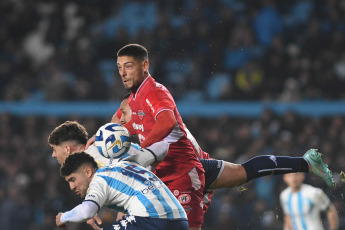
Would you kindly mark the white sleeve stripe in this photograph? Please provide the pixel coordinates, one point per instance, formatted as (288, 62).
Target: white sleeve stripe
(162, 111)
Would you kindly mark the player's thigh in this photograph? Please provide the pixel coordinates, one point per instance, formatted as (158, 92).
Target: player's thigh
(232, 175)
(188, 189)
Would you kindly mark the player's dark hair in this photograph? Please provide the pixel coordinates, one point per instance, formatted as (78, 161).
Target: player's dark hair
(68, 131)
(136, 51)
(74, 161)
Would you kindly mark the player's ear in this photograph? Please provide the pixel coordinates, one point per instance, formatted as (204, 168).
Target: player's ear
(88, 170)
(145, 65)
(285, 176)
(68, 149)
(302, 176)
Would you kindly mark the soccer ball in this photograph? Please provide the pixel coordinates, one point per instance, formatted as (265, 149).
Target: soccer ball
(112, 140)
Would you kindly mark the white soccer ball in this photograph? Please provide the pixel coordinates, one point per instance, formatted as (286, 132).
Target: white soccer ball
(112, 140)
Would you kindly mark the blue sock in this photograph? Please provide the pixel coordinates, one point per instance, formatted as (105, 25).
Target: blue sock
(273, 165)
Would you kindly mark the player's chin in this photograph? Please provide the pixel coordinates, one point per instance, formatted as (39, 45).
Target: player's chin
(127, 86)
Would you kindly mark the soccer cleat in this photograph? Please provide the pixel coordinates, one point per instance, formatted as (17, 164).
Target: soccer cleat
(318, 167)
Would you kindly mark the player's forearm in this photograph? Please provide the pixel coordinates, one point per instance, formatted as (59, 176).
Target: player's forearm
(80, 213)
(151, 154)
(115, 119)
(165, 123)
(287, 223)
(333, 218)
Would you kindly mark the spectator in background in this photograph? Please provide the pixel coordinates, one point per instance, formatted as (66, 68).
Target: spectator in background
(249, 81)
(267, 23)
(80, 39)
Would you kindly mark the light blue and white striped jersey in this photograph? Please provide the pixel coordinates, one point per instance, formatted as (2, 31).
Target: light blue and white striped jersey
(130, 188)
(304, 207)
(103, 161)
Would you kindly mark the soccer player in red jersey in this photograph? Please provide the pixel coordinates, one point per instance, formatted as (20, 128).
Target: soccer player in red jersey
(222, 174)
(154, 117)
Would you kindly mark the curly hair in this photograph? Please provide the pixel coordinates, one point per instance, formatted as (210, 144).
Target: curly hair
(75, 161)
(68, 131)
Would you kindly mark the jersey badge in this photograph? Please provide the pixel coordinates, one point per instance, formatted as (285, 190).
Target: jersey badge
(141, 114)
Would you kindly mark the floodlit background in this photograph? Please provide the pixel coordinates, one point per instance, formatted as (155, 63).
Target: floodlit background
(249, 78)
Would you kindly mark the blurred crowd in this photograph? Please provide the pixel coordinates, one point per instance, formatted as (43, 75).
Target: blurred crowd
(59, 50)
(62, 50)
(32, 192)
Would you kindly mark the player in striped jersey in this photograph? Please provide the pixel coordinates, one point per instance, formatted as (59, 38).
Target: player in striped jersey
(302, 205)
(71, 137)
(124, 186)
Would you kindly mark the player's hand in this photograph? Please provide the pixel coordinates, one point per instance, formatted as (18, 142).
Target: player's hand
(90, 141)
(154, 166)
(58, 222)
(92, 222)
(119, 216)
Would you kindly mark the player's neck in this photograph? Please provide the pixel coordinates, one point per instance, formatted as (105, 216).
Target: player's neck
(135, 89)
(296, 189)
(79, 148)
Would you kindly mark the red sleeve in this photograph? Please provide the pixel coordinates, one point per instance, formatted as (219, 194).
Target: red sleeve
(159, 100)
(165, 123)
(118, 113)
(129, 127)
(116, 117)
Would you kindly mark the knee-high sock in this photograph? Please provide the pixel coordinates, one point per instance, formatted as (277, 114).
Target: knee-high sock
(273, 165)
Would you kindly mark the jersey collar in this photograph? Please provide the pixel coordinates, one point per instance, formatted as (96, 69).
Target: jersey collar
(141, 85)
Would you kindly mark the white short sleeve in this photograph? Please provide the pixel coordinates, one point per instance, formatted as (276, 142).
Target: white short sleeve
(321, 199)
(97, 191)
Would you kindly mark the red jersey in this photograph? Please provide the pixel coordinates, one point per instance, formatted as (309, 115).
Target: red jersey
(200, 154)
(146, 103)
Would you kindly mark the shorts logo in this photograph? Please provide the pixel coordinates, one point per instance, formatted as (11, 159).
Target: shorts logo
(184, 198)
(219, 164)
(176, 192)
(274, 159)
(141, 114)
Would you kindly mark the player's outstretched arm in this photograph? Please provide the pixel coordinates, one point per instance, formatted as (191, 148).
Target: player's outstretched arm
(80, 213)
(154, 153)
(333, 219)
(165, 123)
